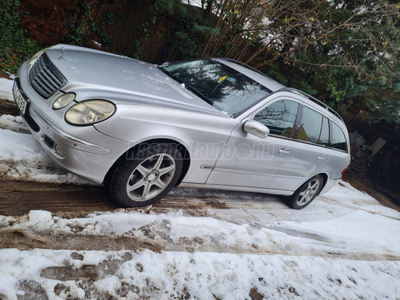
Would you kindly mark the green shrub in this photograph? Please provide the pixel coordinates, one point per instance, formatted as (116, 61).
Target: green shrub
(15, 47)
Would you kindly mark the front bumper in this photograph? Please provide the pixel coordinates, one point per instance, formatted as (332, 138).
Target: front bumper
(85, 152)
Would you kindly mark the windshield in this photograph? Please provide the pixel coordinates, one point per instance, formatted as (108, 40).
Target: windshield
(219, 85)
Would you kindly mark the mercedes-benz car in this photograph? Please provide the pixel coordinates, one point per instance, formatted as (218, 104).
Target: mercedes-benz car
(142, 129)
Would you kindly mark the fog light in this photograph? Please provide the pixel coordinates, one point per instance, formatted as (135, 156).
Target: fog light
(59, 150)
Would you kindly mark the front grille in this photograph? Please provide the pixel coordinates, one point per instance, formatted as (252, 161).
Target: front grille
(45, 78)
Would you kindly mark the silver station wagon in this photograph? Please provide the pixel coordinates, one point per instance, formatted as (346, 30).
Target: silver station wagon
(142, 129)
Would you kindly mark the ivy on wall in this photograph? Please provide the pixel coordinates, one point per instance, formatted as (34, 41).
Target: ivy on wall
(15, 46)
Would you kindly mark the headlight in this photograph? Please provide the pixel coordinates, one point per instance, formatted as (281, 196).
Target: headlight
(63, 101)
(35, 57)
(89, 112)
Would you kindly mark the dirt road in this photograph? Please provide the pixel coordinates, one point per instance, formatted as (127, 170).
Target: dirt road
(19, 197)
(8, 108)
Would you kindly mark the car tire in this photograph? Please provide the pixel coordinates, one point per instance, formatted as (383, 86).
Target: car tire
(147, 175)
(305, 194)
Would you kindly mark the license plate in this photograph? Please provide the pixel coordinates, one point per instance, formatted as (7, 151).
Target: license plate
(19, 99)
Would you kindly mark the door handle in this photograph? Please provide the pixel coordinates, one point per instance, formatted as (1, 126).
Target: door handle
(285, 151)
(321, 158)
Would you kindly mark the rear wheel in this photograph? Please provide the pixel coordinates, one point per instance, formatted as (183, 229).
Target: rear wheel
(147, 178)
(305, 194)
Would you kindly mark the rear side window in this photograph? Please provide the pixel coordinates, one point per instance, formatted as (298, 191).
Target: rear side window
(310, 126)
(314, 128)
(279, 117)
(338, 138)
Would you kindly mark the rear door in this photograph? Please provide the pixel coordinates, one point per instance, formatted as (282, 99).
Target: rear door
(309, 152)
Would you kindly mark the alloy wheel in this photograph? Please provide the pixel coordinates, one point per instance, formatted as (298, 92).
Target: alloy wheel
(151, 177)
(308, 193)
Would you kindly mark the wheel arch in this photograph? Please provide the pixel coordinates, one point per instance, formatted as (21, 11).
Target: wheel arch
(325, 178)
(292, 200)
(135, 148)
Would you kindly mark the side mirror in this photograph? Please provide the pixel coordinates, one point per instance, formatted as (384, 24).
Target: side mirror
(256, 128)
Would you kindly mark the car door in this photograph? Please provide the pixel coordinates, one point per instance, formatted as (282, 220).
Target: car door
(250, 161)
(309, 152)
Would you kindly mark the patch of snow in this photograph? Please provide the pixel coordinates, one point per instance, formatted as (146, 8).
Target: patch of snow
(6, 89)
(22, 157)
(19, 147)
(13, 123)
(200, 275)
(42, 217)
(97, 43)
(196, 3)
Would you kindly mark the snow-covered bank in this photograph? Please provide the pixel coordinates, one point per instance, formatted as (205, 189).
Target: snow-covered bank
(363, 234)
(22, 157)
(6, 89)
(182, 275)
(344, 246)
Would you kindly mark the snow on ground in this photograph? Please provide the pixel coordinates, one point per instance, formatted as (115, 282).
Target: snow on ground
(6, 88)
(13, 123)
(345, 245)
(354, 254)
(199, 275)
(22, 157)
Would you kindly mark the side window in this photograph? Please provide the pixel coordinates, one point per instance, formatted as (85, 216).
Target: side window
(279, 117)
(324, 137)
(310, 126)
(338, 138)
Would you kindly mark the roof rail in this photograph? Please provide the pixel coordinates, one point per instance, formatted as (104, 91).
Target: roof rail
(324, 105)
(327, 107)
(245, 65)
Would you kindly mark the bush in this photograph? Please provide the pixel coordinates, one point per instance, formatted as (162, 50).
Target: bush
(15, 47)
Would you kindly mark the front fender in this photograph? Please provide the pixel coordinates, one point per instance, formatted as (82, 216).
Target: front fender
(203, 135)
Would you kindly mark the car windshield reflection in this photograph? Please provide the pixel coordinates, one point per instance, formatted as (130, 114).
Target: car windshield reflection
(218, 84)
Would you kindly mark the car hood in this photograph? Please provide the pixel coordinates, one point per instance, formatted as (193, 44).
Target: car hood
(94, 74)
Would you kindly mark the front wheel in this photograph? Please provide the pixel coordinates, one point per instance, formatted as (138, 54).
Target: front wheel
(305, 194)
(147, 178)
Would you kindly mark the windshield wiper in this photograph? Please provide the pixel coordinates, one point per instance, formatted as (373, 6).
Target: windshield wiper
(169, 74)
(190, 88)
(197, 92)
(200, 95)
